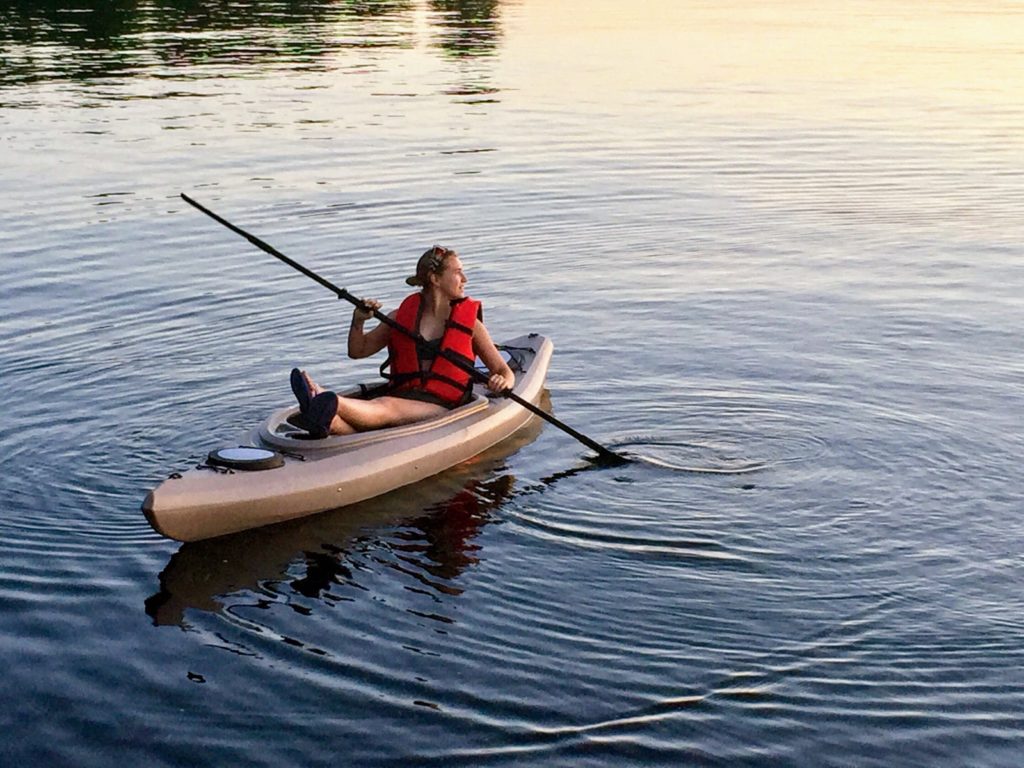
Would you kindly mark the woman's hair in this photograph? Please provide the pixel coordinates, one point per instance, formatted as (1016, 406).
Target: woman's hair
(431, 263)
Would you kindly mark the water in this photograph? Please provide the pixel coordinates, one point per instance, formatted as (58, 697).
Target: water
(775, 241)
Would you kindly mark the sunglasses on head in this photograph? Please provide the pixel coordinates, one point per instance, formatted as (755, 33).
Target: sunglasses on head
(437, 256)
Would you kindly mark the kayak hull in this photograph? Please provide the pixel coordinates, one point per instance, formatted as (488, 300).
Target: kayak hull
(318, 475)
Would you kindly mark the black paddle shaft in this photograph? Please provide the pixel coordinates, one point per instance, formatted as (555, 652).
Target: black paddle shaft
(605, 456)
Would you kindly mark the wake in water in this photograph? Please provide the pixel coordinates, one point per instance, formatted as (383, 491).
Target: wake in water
(678, 457)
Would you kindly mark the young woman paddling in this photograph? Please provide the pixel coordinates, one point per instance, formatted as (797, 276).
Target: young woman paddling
(423, 383)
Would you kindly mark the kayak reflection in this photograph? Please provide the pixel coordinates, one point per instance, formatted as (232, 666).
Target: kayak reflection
(427, 528)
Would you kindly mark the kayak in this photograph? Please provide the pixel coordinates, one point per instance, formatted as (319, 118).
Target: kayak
(282, 474)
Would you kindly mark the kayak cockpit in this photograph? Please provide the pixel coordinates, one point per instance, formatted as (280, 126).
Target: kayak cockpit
(280, 431)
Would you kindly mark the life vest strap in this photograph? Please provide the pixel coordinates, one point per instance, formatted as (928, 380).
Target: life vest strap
(449, 323)
(446, 380)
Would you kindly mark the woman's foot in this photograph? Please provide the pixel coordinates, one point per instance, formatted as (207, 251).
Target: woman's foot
(301, 389)
(314, 388)
(304, 389)
(322, 410)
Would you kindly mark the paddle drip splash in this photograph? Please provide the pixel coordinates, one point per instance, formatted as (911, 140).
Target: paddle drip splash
(703, 458)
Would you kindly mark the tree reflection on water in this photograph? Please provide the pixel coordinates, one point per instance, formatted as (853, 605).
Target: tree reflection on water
(89, 39)
(467, 27)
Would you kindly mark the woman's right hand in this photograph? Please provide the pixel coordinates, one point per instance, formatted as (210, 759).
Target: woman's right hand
(364, 310)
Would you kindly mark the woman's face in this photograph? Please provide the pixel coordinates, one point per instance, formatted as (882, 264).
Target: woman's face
(451, 280)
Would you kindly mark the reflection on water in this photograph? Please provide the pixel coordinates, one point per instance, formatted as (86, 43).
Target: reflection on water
(424, 532)
(430, 544)
(467, 27)
(88, 39)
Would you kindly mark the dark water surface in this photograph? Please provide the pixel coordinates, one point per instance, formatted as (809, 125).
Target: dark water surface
(780, 245)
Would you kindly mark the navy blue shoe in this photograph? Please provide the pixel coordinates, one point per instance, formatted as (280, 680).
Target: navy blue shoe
(322, 410)
(301, 390)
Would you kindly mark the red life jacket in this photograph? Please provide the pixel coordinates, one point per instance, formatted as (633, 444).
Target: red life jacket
(443, 379)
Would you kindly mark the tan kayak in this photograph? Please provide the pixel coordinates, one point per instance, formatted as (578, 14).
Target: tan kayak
(235, 492)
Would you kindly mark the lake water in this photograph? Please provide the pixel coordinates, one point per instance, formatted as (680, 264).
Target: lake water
(779, 237)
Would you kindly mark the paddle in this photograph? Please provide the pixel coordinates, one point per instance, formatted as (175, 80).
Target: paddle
(604, 455)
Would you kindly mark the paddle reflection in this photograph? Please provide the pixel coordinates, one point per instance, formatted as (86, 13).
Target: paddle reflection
(426, 532)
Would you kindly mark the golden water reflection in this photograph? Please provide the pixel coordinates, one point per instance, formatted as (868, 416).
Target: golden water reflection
(811, 59)
(779, 55)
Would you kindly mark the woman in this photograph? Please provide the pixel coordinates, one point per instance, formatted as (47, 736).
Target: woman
(423, 383)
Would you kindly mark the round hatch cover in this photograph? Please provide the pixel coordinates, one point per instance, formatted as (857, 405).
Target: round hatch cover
(248, 459)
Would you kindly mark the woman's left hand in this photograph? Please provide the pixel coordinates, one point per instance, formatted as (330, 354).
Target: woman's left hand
(499, 383)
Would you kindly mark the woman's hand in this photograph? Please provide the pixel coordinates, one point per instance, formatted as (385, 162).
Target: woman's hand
(500, 382)
(364, 310)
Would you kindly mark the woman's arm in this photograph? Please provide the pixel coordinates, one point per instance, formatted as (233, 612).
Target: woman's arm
(502, 377)
(362, 344)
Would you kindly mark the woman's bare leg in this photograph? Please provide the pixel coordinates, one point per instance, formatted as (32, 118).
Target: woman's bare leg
(356, 415)
(362, 415)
